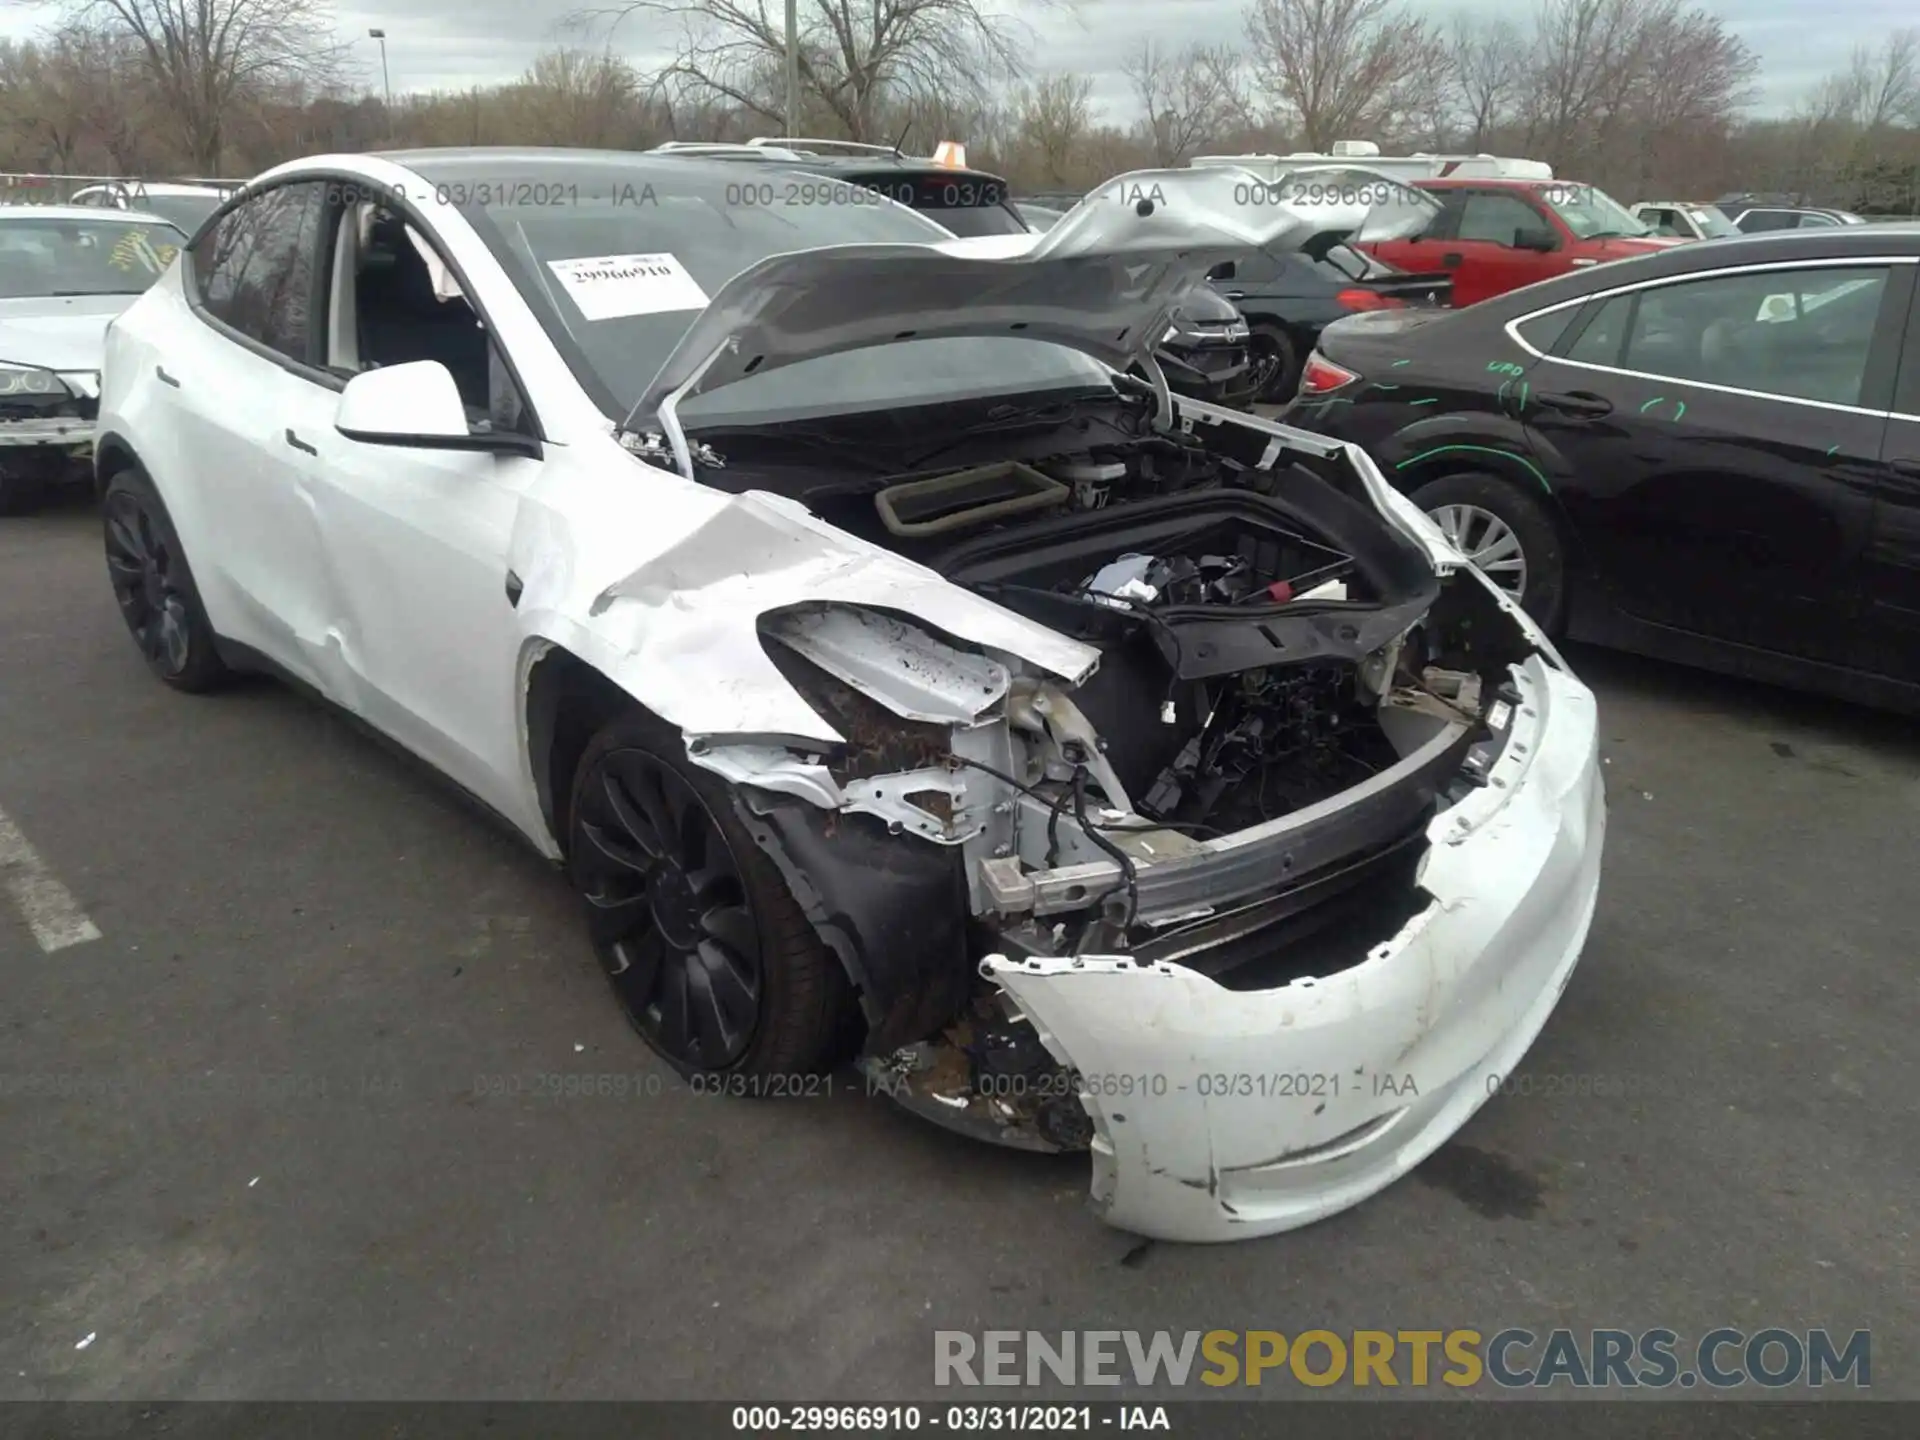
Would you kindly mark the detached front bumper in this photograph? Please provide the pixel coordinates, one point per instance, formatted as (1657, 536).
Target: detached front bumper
(1223, 1115)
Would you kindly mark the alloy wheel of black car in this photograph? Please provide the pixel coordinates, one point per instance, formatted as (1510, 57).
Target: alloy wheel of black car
(1489, 542)
(154, 588)
(671, 917)
(1508, 534)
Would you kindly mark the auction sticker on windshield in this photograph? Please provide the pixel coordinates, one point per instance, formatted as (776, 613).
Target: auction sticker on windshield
(607, 287)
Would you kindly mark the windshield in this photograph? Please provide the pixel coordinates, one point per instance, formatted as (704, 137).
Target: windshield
(41, 256)
(1592, 214)
(1711, 220)
(642, 244)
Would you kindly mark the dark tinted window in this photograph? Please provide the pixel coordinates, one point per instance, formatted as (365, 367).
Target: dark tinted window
(1798, 333)
(1757, 220)
(1599, 343)
(1257, 268)
(980, 220)
(1496, 218)
(1543, 332)
(254, 269)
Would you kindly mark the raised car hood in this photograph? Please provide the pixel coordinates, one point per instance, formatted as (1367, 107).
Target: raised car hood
(1103, 281)
(61, 333)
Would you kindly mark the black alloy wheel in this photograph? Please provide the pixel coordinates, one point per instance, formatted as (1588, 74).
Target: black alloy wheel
(154, 586)
(1273, 368)
(670, 911)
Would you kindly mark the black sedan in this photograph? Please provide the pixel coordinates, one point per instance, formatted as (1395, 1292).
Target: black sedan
(1711, 454)
(1288, 301)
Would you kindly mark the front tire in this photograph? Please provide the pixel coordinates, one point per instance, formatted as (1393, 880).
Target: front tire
(153, 585)
(706, 950)
(1508, 533)
(1275, 361)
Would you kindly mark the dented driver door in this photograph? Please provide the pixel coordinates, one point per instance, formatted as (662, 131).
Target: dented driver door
(418, 542)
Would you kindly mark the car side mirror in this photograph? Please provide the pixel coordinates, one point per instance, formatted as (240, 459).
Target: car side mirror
(417, 406)
(1533, 238)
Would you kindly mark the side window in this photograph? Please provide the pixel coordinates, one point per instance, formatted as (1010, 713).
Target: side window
(1599, 343)
(1543, 332)
(1802, 334)
(254, 268)
(1816, 222)
(1761, 220)
(1496, 218)
(1256, 268)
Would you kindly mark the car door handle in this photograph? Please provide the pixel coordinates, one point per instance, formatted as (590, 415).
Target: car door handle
(1234, 294)
(299, 444)
(1577, 402)
(164, 378)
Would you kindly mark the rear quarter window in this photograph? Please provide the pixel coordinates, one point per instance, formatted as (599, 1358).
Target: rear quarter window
(1543, 332)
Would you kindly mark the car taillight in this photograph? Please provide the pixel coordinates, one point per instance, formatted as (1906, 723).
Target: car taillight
(1368, 300)
(1321, 375)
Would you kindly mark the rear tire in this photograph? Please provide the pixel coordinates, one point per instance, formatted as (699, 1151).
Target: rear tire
(153, 585)
(713, 961)
(1497, 524)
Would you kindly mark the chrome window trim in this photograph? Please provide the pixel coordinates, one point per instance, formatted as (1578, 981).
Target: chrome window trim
(1512, 327)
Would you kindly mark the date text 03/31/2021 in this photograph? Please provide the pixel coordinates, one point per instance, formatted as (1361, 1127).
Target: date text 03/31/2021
(960, 1419)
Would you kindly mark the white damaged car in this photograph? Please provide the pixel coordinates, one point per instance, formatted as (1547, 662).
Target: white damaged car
(65, 272)
(1113, 772)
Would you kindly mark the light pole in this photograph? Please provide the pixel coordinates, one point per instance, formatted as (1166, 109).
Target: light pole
(386, 85)
(793, 68)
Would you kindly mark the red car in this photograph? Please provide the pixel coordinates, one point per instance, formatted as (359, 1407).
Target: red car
(1493, 236)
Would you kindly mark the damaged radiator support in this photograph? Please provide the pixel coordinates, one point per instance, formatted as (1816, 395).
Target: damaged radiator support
(1374, 813)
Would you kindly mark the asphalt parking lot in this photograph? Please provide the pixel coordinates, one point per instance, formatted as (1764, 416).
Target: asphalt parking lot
(270, 1162)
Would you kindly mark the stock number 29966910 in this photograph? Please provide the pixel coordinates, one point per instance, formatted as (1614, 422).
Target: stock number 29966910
(825, 1419)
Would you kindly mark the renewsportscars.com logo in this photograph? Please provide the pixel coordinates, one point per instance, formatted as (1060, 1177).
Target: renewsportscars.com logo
(1721, 1359)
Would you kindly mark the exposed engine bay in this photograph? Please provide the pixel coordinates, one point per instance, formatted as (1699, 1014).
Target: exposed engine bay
(1287, 694)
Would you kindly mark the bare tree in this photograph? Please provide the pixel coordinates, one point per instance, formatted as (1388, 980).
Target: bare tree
(1883, 82)
(1053, 118)
(205, 58)
(1188, 100)
(1340, 68)
(578, 97)
(854, 55)
(43, 110)
(1488, 54)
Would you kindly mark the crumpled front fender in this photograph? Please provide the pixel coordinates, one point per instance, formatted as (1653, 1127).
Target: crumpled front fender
(679, 631)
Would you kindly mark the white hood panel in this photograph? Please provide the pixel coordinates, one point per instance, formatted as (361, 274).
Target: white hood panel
(1103, 281)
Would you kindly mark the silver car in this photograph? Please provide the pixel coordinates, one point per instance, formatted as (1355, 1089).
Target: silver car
(65, 273)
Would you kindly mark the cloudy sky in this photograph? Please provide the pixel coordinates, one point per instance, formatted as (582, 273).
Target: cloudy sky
(435, 44)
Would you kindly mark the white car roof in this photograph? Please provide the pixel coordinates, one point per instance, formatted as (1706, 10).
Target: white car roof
(153, 187)
(81, 212)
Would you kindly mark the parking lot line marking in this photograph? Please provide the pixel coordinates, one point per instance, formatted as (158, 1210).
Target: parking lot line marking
(48, 907)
